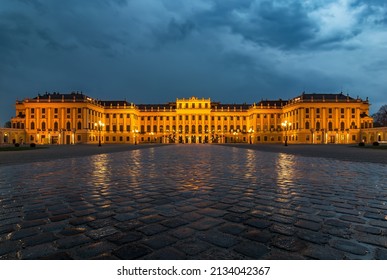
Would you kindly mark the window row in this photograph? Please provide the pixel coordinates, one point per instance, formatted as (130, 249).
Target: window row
(330, 126)
(192, 129)
(193, 105)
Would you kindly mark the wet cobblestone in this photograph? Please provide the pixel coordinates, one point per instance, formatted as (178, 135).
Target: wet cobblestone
(193, 202)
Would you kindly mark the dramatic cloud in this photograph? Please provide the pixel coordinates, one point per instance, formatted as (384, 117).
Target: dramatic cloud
(149, 51)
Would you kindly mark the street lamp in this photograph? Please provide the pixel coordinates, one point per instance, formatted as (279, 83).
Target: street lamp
(251, 131)
(99, 126)
(286, 125)
(135, 131)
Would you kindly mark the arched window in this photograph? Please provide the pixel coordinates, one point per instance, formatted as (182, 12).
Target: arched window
(161, 128)
(200, 128)
(342, 125)
(180, 128)
(330, 126)
(306, 125)
(193, 129)
(79, 125)
(219, 128)
(32, 125)
(56, 128)
(68, 126)
(186, 130)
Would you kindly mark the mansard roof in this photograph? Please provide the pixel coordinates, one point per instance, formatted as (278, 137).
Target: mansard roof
(149, 107)
(218, 105)
(57, 95)
(115, 103)
(324, 97)
(272, 103)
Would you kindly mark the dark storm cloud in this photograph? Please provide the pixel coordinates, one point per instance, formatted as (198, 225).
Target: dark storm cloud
(155, 51)
(175, 31)
(265, 22)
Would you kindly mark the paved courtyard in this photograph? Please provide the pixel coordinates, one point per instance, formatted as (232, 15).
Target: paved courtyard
(193, 202)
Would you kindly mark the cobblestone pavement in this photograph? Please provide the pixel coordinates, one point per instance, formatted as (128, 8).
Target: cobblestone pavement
(193, 202)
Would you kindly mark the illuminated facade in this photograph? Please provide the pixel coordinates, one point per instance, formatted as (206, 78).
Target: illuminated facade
(76, 118)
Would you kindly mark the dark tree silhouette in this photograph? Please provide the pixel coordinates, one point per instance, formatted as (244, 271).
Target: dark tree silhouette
(7, 124)
(380, 118)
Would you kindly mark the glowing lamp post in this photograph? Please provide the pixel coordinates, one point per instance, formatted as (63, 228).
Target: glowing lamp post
(286, 126)
(99, 127)
(251, 131)
(135, 131)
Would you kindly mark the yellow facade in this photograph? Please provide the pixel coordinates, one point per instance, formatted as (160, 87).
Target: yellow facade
(76, 118)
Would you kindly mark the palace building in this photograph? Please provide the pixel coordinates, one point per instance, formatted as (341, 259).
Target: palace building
(56, 118)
